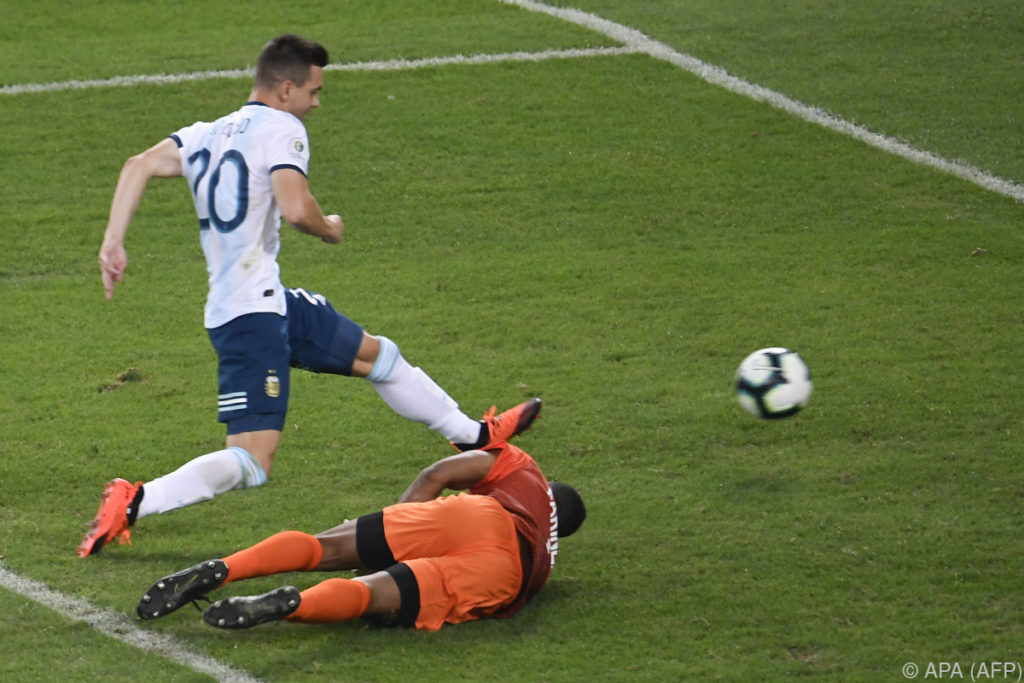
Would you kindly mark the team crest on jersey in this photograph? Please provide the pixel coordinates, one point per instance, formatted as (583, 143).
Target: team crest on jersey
(272, 385)
(299, 149)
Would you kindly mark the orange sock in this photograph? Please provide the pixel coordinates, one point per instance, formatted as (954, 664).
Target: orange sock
(332, 600)
(288, 551)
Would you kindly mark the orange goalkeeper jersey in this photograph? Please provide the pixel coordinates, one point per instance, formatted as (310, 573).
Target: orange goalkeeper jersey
(517, 483)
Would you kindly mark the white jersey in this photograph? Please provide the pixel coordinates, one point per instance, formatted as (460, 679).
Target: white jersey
(228, 165)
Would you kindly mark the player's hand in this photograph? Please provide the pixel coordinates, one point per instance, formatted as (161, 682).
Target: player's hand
(112, 264)
(337, 229)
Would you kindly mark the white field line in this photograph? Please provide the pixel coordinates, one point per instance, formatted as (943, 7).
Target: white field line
(117, 626)
(389, 65)
(718, 76)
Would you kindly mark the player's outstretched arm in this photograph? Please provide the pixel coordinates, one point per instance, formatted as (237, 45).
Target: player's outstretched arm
(460, 471)
(299, 207)
(160, 160)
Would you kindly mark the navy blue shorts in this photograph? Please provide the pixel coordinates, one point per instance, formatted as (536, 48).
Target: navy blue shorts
(321, 339)
(255, 353)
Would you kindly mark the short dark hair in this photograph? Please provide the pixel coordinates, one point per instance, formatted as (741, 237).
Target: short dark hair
(288, 57)
(569, 507)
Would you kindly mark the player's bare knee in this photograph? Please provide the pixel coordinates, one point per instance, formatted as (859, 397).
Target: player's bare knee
(369, 348)
(385, 596)
(339, 548)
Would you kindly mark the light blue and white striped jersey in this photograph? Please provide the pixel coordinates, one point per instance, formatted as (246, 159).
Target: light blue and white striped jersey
(228, 165)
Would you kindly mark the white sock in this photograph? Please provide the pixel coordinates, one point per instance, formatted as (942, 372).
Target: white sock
(201, 479)
(414, 395)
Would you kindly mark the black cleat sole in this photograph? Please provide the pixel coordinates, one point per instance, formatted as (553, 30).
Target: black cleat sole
(248, 611)
(173, 591)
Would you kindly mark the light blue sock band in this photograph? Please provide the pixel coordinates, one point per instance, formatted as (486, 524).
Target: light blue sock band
(386, 359)
(252, 471)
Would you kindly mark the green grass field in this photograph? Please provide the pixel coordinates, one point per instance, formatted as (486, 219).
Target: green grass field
(610, 233)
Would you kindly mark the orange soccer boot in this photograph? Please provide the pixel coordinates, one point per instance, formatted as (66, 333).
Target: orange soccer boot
(112, 519)
(497, 429)
(514, 421)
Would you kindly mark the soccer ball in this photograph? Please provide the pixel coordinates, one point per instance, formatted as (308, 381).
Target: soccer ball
(773, 383)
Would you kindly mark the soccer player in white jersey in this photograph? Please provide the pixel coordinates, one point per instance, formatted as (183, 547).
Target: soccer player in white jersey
(246, 171)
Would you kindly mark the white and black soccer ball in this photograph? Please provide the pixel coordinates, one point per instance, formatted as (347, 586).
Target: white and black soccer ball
(773, 383)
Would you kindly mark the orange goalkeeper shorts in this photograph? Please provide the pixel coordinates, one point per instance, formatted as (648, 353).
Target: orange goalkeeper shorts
(464, 553)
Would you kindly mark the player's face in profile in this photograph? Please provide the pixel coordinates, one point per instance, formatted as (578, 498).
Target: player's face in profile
(306, 96)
